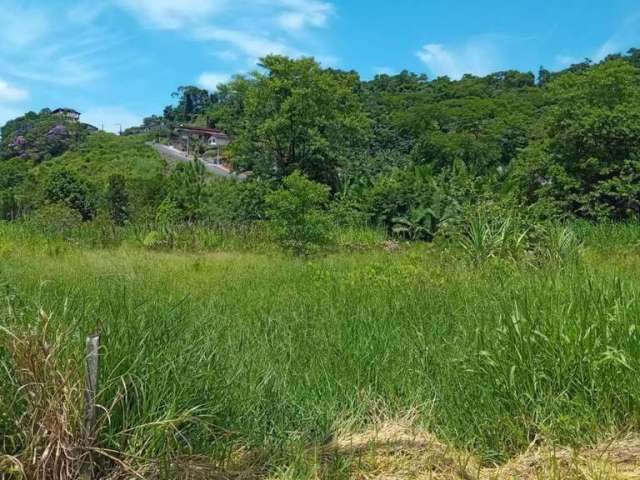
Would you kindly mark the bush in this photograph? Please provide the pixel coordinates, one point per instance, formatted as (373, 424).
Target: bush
(64, 187)
(298, 217)
(117, 199)
(560, 244)
(232, 202)
(484, 238)
(188, 190)
(56, 220)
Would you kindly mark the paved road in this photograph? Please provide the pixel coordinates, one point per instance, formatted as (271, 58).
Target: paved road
(178, 155)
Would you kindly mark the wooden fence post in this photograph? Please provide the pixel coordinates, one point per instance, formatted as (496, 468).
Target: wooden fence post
(92, 364)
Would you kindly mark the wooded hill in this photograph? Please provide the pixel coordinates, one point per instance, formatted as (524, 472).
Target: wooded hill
(399, 151)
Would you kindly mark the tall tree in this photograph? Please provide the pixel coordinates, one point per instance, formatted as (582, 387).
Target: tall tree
(299, 116)
(588, 163)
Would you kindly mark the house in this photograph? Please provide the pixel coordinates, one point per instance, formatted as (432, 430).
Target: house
(209, 138)
(67, 113)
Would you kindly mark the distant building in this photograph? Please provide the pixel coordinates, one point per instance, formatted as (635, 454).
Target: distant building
(210, 138)
(67, 113)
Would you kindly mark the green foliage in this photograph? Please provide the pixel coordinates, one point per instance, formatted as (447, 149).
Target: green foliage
(540, 327)
(188, 190)
(233, 352)
(81, 178)
(413, 203)
(233, 202)
(153, 240)
(65, 188)
(403, 153)
(167, 220)
(9, 207)
(103, 155)
(588, 165)
(192, 101)
(56, 219)
(298, 116)
(560, 244)
(298, 217)
(484, 238)
(117, 199)
(40, 136)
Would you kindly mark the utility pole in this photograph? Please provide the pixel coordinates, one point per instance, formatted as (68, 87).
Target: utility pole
(119, 125)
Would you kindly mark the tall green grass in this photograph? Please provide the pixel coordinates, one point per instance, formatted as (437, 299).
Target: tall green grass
(208, 351)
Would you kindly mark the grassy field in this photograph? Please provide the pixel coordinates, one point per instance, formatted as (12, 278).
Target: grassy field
(213, 353)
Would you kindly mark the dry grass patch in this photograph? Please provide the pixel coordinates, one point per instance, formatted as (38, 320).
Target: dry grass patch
(398, 450)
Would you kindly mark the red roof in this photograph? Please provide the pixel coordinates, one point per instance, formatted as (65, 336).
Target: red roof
(214, 132)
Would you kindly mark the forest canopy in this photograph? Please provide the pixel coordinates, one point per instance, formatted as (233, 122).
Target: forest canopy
(403, 152)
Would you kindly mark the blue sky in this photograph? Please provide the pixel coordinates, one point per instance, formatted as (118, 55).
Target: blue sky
(119, 60)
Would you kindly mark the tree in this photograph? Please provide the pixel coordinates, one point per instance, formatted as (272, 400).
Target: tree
(9, 207)
(117, 199)
(64, 188)
(589, 162)
(188, 190)
(298, 116)
(544, 76)
(298, 215)
(192, 101)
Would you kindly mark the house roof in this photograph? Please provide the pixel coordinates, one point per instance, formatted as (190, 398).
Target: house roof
(212, 132)
(66, 110)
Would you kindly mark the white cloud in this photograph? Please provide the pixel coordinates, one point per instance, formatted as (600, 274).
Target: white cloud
(172, 14)
(242, 30)
(292, 20)
(20, 26)
(9, 93)
(210, 80)
(112, 118)
(250, 45)
(227, 55)
(626, 36)
(59, 48)
(64, 71)
(304, 13)
(477, 57)
(607, 48)
(86, 11)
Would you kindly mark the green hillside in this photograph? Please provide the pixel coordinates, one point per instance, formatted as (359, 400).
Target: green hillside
(75, 170)
(103, 155)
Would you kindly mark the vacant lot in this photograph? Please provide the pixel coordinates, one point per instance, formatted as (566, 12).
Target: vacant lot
(205, 354)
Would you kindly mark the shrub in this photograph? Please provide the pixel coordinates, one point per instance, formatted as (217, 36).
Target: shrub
(56, 220)
(117, 199)
(484, 237)
(9, 207)
(63, 187)
(560, 244)
(188, 190)
(167, 221)
(298, 218)
(232, 202)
